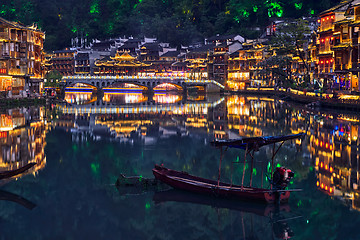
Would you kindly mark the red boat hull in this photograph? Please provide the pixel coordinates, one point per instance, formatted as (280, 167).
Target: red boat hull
(184, 181)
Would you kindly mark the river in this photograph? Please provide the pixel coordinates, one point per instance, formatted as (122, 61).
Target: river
(82, 146)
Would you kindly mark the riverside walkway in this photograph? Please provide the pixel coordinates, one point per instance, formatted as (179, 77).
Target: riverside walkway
(341, 100)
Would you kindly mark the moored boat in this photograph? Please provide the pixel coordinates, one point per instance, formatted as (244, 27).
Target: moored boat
(280, 176)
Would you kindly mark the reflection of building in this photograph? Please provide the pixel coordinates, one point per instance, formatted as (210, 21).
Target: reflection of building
(21, 141)
(21, 57)
(133, 117)
(334, 145)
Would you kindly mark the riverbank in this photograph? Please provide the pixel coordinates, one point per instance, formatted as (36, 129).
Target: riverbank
(21, 102)
(336, 100)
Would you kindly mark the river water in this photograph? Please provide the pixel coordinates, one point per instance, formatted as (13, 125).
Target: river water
(84, 144)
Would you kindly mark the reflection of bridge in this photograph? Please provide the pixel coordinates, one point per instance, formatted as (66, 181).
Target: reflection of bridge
(100, 107)
(149, 83)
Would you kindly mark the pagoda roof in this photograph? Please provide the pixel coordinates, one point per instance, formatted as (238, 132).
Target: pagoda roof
(204, 48)
(20, 25)
(129, 45)
(123, 57)
(152, 46)
(341, 7)
(170, 54)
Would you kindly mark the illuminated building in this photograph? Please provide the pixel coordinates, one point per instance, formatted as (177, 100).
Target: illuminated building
(131, 46)
(217, 63)
(327, 39)
(197, 59)
(243, 66)
(62, 61)
(159, 58)
(338, 43)
(82, 63)
(21, 57)
(122, 64)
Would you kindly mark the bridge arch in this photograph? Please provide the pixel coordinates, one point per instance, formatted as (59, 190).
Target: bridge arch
(81, 84)
(168, 86)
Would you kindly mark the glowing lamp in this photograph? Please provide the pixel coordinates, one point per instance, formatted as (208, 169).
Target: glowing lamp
(331, 169)
(326, 188)
(322, 62)
(321, 143)
(317, 183)
(330, 190)
(326, 145)
(317, 163)
(318, 21)
(332, 17)
(321, 164)
(317, 140)
(323, 19)
(331, 147)
(327, 61)
(326, 167)
(327, 39)
(322, 185)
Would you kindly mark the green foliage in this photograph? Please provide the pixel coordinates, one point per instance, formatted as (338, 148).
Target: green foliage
(177, 22)
(53, 78)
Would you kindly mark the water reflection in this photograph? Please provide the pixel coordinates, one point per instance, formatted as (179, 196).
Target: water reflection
(277, 216)
(90, 142)
(80, 98)
(332, 139)
(124, 98)
(22, 139)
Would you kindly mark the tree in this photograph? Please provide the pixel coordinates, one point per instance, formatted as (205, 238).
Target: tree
(53, 78)
(277, 68)
(291, 39)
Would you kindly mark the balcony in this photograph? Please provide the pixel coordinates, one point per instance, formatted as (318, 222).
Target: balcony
(18, 71)
(5, 55)
(4, 35)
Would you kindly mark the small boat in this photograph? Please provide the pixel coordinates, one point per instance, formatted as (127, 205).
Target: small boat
(12, 173)
(277, 193)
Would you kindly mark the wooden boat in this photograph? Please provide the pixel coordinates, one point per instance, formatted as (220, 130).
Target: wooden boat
(12, 173)
(276, 194)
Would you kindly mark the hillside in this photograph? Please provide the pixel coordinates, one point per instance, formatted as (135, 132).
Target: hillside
(174, 21)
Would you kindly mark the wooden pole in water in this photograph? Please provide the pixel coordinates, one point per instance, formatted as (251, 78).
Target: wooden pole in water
(221, 156)
(252, 167)
(242, 181)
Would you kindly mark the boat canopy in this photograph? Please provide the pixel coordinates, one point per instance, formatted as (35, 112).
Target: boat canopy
(253, 143)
